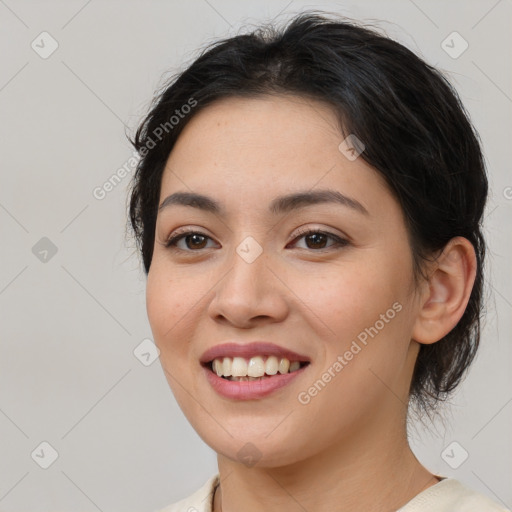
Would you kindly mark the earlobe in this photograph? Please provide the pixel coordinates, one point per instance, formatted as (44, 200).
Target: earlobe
(449, 288)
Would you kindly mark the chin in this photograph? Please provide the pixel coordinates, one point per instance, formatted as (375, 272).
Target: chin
(261, 446)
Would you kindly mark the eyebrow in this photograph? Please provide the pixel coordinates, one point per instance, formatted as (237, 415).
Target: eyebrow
(279, 205)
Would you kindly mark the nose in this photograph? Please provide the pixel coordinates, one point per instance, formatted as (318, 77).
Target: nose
(250, 294)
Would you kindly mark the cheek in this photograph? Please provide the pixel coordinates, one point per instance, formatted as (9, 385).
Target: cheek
(359, 309)
(170, 312)
(349, 297)
(167, 307)
(159, 302)
(175, 300)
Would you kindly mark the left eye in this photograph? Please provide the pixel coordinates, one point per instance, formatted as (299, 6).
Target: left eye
(320, 240)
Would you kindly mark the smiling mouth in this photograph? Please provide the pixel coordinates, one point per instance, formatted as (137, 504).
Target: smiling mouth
(241, 369)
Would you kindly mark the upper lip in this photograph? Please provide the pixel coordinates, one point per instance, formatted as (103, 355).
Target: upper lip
(248, 350)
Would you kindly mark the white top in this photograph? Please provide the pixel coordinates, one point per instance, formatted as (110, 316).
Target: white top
(449, 495)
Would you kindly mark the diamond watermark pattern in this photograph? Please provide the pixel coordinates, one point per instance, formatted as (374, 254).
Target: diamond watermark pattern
(44, 45)
(249, 455)
(351, 147)
(454, 45)
(44, 455)
(44, 250)
(454, 455)
(146, 352)
(249, 249)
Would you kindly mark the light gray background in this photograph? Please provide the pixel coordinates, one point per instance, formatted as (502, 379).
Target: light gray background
(69, 326)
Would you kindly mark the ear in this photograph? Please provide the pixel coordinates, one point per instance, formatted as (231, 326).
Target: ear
(447, 291)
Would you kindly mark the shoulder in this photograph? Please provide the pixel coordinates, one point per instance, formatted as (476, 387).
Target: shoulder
(200, 501)
(450, 495)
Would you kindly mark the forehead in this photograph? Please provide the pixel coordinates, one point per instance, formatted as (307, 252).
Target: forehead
(243, 148)
(275, 121)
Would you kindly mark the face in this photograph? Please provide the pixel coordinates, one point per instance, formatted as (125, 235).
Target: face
(295, 248)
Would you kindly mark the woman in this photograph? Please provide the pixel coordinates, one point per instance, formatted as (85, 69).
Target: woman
(308, 208)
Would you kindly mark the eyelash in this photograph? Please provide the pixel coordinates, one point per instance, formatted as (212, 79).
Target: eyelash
(339, 242)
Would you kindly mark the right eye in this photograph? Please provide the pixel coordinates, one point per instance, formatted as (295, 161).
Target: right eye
(189, 240)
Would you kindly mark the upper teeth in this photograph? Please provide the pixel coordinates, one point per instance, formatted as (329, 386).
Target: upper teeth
(257, 366)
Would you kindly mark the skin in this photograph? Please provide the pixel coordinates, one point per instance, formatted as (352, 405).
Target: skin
(348, 445)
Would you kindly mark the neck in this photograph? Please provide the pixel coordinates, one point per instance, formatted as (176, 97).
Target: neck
(382, 476)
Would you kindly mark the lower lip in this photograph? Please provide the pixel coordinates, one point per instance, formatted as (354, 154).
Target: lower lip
(250, 390)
